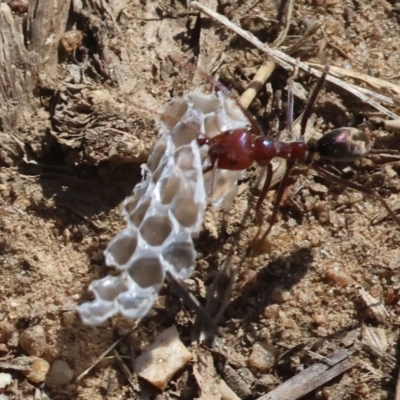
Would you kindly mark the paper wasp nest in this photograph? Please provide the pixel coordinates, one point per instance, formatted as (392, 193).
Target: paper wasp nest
(166, 209)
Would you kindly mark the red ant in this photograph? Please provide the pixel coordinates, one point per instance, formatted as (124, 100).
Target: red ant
(238, 150)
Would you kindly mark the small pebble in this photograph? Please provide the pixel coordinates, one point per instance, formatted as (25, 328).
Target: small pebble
(291, 324)
(69, 318)
(390, 296)
(60, 373)
(71, 40)
(159, 363)
(394, 262)
(268, 380)
(271, 311)
(318, 188)
(239, 380)
(37, 371)
(262, 356)
(5, 331)
(280, 295)
(33, 340)
(338, 277)
(351, 337)
(321, 331)
(320, 319)
(376, 290)
(52, 352)
(5, 379)
(19, 6)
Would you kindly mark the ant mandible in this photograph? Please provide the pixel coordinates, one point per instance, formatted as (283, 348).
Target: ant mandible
(238, 150)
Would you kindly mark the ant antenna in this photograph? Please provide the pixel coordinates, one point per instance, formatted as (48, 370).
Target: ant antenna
(277, 203)
(310, 104)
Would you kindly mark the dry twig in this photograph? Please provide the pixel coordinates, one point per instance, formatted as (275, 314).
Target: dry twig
(266, 69)
(311, 378)
(288, 63)
(112, 347)
(125, 370)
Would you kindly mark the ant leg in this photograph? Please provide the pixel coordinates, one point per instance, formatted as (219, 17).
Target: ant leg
(263, 194)
(277, 202)
(214, 176)
(213, 167)
(356, 186)
(261, 198)
(310, 105)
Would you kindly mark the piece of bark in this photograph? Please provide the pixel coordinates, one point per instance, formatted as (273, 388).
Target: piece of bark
(311, 378)
(46, 23)
(210, 45)
(16, 79)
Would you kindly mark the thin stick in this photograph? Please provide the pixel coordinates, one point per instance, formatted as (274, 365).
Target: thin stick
(125, 370)
(193, 303)
(310, 104)
(102, 356)
(259, 80)
(311, 378)
(288, 63)
(308, 34)
(268, 68)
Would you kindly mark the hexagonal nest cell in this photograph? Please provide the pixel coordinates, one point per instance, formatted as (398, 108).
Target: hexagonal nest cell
(166, 210)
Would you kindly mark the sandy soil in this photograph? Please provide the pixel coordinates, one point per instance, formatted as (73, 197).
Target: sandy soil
(63, 178)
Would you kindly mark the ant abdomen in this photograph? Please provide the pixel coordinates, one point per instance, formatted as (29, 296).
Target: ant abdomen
(343, 144)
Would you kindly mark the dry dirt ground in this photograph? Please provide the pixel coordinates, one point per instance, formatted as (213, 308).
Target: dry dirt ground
(75, 125)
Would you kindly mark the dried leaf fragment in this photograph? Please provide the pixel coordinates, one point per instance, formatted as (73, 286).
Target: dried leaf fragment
(375, 307)
(374, 337)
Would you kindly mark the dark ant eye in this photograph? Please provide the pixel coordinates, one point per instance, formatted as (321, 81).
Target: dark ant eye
(343, 144)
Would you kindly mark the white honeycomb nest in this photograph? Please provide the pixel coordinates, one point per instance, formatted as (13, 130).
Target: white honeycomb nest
(166, 209)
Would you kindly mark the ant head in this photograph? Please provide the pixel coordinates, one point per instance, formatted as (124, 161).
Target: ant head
(343, 144)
